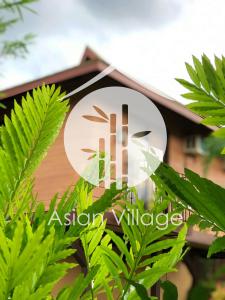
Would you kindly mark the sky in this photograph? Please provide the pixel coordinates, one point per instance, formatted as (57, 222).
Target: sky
(149, 40)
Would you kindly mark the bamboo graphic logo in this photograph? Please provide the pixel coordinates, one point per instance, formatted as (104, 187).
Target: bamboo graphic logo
(103, 118)
(115, 134)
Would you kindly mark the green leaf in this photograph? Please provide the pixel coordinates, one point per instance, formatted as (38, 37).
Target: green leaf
(101, 205)
(206, 105)
(215, 121)
(212, 77)
(188, 85)
(170, 290)
(79, 286)
(2, 106)
(121, 246)
(193, 75)
(114, 272)
(54, 272)
(202, 195)
(201, 73)
(219, 70)
(108, 291)
(152, 275)
(197, 96)
(217, 246)
(158, 246)
(194, 219)
(116, 259)
(96, 237)
(26, 137)
(140, 289)
(220, 133)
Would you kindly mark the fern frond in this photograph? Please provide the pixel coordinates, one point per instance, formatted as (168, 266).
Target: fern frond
(26, 137)
(26, 263)
(141, 259)
(207, 91)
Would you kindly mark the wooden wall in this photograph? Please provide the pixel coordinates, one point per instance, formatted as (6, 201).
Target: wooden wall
(179, 160)
(56, 174)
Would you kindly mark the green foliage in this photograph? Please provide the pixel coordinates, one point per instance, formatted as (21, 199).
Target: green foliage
(30, 250)
(200, 292)
(139, 249)
(143, 258)
(28, 268)
(17, 47)
(1, 104)
(25, 139)
(217, 246)
(77, 290)
(206, 198)
(16, 6)
(202, 197)
(92, 238)
(207, 91)
(33, 244)
(169, 290)
(14, 10)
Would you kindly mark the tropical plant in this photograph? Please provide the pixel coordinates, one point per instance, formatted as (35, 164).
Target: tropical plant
(146, 252)
(34, 243)
(207, 91)
(25, 138)
(29, 267)
(202, 197)
(11, 12)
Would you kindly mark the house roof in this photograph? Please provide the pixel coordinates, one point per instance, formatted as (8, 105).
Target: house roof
(92, 62)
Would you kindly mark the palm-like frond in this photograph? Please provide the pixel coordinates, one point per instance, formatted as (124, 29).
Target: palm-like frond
(99, 206)
(139, 260)
(91, 238)
(79, 286)
(207, 91)
(26, 137)
(203, 197)
(27, 269)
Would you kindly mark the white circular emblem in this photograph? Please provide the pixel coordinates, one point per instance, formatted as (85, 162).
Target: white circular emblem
(117, 134)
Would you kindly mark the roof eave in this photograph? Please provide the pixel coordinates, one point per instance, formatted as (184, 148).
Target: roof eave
(99, 65)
